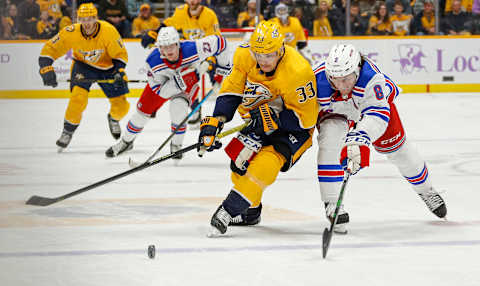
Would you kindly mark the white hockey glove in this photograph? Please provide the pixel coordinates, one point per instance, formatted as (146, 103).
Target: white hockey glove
(242, 150)
(355, 153)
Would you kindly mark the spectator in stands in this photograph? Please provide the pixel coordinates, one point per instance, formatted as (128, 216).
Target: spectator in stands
(304, 10)
(144, 22)
(379, 23)
(53, 7)
(115, 12)
(133, 6)
(247, 18)
(424, 22)
(321, 25)
(28, 14)
(407, 9)
(474, 23)
(465, 6)
(358, 24)
(65, 20)
(454, 21)
(10, 23)
(46, 26)
(400, 21)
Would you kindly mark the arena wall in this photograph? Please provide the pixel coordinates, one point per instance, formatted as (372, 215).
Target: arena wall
(418, 64)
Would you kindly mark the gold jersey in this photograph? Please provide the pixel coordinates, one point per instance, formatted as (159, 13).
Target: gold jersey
(140, 25)
(400, 24)
(54, 7)
(296, 92)
(193, 28)
(293, 31)
(96, 50)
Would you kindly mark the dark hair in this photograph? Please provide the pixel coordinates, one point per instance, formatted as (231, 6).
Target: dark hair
(377, 11)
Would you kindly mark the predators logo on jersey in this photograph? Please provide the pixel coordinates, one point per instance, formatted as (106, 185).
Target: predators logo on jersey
(255, 94)
(91, 56)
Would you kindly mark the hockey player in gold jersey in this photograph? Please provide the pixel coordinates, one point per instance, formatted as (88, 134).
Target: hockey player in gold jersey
(192, 20)
(273, 87)
(98, 54)
(293, 31)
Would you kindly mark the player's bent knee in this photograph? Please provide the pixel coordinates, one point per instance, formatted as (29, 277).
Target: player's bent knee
(119, 107)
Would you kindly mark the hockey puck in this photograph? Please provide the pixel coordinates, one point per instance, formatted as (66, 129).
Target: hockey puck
(151, 251)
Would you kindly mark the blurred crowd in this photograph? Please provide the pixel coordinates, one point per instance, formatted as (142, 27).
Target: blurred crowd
(42, 19)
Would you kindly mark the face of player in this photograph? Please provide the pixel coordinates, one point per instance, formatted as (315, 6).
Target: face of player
(193, 4)
(170, 52)
(344, 84)
(88, 24)
(267, 62)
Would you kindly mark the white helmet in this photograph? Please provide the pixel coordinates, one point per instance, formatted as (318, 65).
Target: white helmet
(281, 12)
(167, 36)
(342, 60)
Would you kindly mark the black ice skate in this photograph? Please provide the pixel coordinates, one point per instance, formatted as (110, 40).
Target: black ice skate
(219, 222)
(64, 140)
(250, 217)
(343, 218)
(114, 126)
(119, 148)
(434, 202)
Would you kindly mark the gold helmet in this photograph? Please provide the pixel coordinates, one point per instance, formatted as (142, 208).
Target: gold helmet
(87, 10)
(266, 38)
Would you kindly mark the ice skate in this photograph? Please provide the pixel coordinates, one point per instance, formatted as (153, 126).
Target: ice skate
(343, 218)
(250, 217)
(219, 222)
(63, 141)
(434, 202)
(119, 148)
(114, 126)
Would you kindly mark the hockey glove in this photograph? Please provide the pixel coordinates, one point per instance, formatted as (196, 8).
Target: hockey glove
(209, 129)
(120, 79)
(48, 76)
(149, 38)
(355, 154)
(242, 150)
(186, 80)
(264, 121)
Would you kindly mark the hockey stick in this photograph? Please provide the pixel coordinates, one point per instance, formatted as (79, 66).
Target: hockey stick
(327, 234)
(44, 201)
(91, 80)
(134, 164)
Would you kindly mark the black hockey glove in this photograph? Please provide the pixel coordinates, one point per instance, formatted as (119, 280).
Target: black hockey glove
(48, 76)
(149, 38)
(264, 121)
(120, 79)
(209, 129)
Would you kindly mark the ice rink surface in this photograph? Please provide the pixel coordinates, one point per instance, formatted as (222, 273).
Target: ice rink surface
(101, 236)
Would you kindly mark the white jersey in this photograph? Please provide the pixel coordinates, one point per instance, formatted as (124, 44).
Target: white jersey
(161, 73)
(368, 105)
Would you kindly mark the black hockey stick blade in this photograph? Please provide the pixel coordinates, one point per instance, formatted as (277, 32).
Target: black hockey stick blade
(327, 237)
(40, 201)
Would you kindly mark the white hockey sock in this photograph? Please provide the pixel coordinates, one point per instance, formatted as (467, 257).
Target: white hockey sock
(178, 112)
(412, 166)
(134, 126)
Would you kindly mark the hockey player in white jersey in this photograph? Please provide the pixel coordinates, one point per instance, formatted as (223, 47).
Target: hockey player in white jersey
(357, 110)
(174, 69)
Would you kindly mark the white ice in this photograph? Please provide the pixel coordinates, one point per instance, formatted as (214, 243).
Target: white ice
(100, 237)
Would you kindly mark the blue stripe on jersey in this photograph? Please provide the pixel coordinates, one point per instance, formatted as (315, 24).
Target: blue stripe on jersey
(188, 48)
(329, 167)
